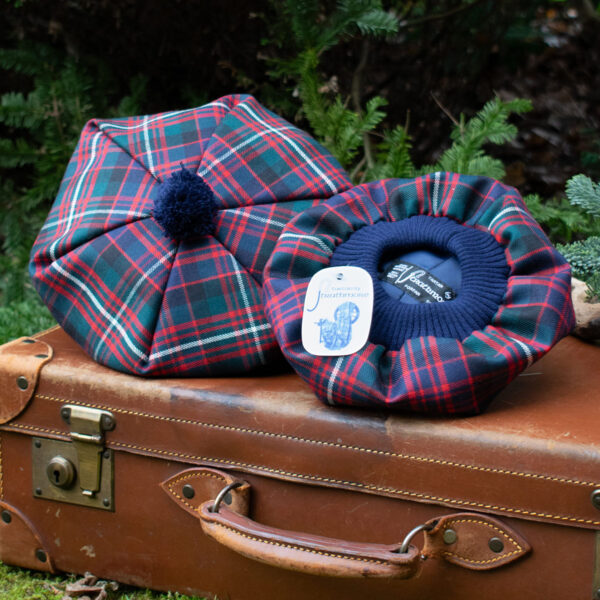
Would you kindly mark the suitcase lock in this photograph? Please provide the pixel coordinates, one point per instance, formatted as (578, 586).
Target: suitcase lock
(79, 471)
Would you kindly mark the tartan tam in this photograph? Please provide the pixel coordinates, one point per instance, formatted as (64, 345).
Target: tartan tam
(467, 292)
(152, 255)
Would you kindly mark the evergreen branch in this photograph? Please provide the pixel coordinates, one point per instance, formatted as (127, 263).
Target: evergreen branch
(582, 191)
(466, 155)
(357, 98)
(583, 256)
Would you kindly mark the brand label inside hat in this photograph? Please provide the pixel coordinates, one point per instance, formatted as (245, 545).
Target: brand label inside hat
(338, 309)
(417, 282)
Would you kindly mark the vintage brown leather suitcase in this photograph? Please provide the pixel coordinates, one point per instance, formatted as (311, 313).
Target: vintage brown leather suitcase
(120, 475)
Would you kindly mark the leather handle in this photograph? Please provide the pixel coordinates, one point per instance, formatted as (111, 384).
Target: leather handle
(304, 552)
(472, 541)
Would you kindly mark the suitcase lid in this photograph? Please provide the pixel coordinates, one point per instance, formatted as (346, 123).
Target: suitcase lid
(535, 454)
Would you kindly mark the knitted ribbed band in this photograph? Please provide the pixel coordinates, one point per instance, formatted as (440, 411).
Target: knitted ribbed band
(483, 268)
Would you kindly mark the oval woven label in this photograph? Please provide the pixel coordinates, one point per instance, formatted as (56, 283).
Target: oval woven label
(338, 309)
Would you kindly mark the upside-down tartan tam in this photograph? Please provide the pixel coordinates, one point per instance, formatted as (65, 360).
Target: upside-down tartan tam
(514, 296)
(140, 301)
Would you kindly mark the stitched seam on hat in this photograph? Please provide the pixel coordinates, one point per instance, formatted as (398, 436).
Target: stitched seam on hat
(301, 548)
(292, 144)
(248, 309)
(307, 477)
(171, 486)
(490, 526)
(325, 443)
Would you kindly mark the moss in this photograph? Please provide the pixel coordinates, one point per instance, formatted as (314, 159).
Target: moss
(22, 584)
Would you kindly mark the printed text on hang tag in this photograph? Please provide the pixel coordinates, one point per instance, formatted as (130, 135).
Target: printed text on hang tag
(338, 309)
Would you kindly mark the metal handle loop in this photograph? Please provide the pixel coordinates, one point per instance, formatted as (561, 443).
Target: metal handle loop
(411, 534)
(215, 507)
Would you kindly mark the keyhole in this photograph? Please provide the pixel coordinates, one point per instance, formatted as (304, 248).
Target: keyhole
(60, 472)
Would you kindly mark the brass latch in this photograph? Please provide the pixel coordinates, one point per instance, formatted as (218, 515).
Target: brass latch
(87, 432)
(79, 471)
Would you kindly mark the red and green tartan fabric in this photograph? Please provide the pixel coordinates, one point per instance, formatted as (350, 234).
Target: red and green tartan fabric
(141, 301)
(514, 299)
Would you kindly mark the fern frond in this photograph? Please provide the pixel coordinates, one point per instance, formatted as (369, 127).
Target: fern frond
(393, 156)
(377, 23)
(582, 191)
(489, 125)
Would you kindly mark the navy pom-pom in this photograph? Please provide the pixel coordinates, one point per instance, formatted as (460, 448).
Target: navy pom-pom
(185, 206)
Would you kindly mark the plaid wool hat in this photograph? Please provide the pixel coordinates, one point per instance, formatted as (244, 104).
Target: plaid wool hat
(467, 292)
(152, 255)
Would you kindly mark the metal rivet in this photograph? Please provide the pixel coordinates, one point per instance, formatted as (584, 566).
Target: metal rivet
(450, 536)
(597, 594)
(228, 498)
(29, 341)
(37, 443)
(40, 555)
(106, 454)
(6, 516)
(108, 423)
(65, 413)
(22, 382)
(106, 502)
(41, 356)
(596, 498)
(38, 491)
(188, 491)
(496, 544)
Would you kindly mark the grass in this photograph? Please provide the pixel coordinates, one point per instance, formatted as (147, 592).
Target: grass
(22, 584)
(23, 318)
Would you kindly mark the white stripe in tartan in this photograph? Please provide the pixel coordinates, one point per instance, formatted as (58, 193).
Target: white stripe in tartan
(146, 121)
(100, 308)
(209, 165)
(334, 373)
(107, 211)
(88, 166)
(148, 148)
(436, 189)
(248, 215)
(242, 289)
(313, 238)
(215, 338)
(144, 277)
(526, 349)
(294, 146)
(505, 211)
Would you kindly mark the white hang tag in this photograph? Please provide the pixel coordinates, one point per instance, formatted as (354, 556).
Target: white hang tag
(338, 309)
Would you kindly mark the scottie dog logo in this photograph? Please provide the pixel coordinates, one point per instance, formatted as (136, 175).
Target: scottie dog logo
(337, 334)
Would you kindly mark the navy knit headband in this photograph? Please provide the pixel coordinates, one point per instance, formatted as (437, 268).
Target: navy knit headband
(482, 264)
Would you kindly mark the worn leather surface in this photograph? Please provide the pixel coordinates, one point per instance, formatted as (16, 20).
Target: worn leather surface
(469, 546)
(230, 526)
(20, 359)
(149, 541)
(367, 477)
(20, 543)
(204, 485)
(535, 454)
(306, 553)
